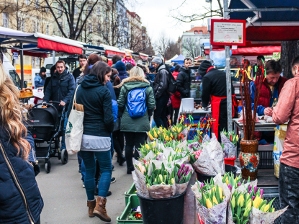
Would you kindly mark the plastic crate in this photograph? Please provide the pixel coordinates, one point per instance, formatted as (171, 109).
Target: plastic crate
(128, 193)
(133, 202)
(266, 160)
(269, 194)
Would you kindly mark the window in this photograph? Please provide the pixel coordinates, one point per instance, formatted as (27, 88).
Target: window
(5, 19)
(33, 26)
(47, 29)
(36, 3)
(99, 10)
(37, 25)
(22, 27)
(27, 2)
(90, 27)
(75, 10)
(89, 8)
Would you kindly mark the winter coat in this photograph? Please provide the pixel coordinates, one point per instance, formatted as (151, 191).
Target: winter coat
(176, 97)
(97, 102)
(12, 204)
(287, 109)
(39, 81)
(140, 124)
(60, 87)
(77, 72)
(122, 75)
(161, 82)
(184, 82)
(266, 97)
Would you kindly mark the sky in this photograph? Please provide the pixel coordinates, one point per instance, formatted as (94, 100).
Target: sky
(156, 16)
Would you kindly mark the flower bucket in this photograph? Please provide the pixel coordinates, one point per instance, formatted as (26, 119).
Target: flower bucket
(164, 210)
(230, 161)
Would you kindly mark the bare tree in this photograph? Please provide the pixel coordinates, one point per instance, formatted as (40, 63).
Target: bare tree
(74, 12)
(166, 47)
(207, 13)
(191, 46)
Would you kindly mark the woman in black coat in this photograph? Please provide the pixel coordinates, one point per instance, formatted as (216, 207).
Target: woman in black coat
(20, 199)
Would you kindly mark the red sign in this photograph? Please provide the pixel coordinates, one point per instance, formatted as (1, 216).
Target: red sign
(228, 32)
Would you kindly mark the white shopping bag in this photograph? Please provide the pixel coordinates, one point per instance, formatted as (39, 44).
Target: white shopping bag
(74, 128)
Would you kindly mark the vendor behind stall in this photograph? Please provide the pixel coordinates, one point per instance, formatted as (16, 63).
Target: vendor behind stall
(270, 87)
(214, 91)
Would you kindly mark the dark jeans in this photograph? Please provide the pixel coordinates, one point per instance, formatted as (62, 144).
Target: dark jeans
(104, 159)
(119, 142)
(133, 139)
(288, 193)
(161, 111)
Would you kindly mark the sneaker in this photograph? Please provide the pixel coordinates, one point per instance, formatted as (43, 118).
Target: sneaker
(108, 193)
(112, 167)
(83, 185)
(113, 180)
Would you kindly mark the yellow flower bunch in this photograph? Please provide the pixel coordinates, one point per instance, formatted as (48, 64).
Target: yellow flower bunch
(212, 197)
(151, 146)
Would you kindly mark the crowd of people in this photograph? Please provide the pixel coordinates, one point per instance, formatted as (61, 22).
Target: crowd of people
(109, 125)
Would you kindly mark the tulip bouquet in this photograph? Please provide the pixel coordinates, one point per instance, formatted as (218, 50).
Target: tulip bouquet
(210, 159)
(153, 147)
(212, 199)
(229, 141)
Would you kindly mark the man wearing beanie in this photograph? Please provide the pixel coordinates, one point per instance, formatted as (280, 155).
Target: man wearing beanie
(161, 92)
(214, 91)
(121, 68)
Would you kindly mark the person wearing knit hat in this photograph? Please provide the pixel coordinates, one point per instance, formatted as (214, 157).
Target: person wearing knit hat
(214, 91)
(128, 59)
(121, 68)
(161, 92)
(39, 80)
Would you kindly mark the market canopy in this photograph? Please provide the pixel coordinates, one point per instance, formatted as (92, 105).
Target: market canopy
(179, 59)
(274, 20)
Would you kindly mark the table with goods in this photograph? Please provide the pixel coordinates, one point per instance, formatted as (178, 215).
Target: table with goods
(184, 178)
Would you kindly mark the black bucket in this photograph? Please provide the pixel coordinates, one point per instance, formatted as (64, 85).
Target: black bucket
(202, 177)
(163, 211)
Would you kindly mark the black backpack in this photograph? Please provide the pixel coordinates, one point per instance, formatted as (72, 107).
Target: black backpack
(172, 84)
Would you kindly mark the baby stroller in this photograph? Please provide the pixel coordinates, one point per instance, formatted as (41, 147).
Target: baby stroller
(46, 125)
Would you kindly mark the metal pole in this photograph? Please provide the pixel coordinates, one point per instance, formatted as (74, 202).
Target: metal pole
(53, 55)
(22, 65)
(228, 78)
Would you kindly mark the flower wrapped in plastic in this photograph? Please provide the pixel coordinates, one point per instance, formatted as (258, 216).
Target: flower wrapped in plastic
(210, 160)
(229, 141)
(212, 200)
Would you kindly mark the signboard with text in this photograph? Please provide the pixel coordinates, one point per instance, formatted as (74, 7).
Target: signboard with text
(228, 32)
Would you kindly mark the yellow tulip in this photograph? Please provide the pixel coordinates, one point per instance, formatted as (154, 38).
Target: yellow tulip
(240, 200)
(257, 201)
(215, 200)
(209, 203)
(266, 208)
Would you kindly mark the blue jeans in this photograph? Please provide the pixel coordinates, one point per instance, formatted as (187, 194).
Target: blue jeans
(104, 159)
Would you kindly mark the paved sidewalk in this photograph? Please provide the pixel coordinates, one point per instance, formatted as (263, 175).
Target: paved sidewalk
(65, 199)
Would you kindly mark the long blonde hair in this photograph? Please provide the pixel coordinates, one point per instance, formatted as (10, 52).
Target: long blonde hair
(11, 114)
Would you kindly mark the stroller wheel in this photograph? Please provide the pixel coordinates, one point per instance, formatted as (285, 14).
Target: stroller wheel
(47, 166)
(64, 156)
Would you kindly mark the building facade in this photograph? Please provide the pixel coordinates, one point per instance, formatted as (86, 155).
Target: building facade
(192, 41)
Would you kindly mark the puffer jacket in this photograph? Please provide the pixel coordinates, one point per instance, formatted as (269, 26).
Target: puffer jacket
(161, 81)
(184, 82)
(287, 109)
(13, 209)
(140, 124)
(60, 87)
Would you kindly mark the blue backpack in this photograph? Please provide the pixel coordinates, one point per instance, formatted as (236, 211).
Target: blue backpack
(136, 102)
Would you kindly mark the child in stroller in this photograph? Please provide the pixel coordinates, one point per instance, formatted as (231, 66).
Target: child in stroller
(46, 124)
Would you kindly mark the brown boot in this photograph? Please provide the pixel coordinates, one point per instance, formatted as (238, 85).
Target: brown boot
(100, 209)
(91, 205)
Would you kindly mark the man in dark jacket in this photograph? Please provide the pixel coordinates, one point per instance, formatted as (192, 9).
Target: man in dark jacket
(60, 88)
(214, 91)
(121, 68)
(160, 92)
(82, 62)
(184, 79)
